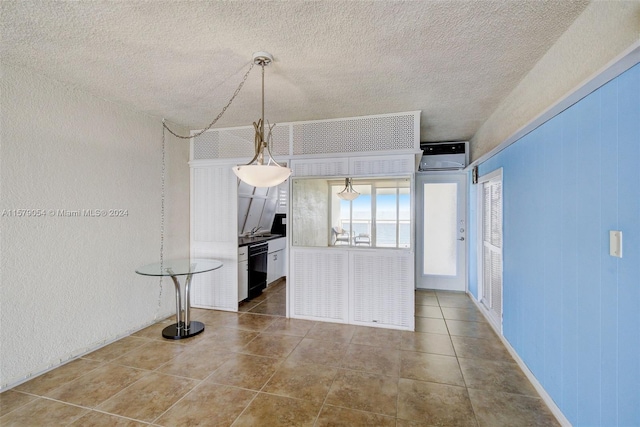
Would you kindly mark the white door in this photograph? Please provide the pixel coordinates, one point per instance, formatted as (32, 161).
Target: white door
(490, 244)
(441, 225)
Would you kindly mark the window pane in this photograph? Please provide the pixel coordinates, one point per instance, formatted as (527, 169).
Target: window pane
(440, 213)
(310, 212)
(386, 216)
(404, 217)
(361, 211)
(351, 223)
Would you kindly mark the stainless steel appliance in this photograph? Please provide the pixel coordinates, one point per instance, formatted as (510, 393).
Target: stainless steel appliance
(444, 155)
(257, 268)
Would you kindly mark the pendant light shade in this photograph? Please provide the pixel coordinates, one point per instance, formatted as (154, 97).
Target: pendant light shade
(262, 175)
(348, 193)
(256, 173)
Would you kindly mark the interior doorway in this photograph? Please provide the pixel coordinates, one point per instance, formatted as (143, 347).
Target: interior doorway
(441, 225)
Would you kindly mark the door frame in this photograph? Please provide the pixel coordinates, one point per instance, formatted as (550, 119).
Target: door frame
(419, 226)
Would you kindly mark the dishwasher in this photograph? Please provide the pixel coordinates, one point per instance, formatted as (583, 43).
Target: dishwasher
(257, 268)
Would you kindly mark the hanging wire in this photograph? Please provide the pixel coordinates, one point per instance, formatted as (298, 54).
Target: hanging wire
(162, 195)
(244, 79)
(162, 191)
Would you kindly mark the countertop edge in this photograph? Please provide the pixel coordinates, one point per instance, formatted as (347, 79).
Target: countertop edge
(246, 241)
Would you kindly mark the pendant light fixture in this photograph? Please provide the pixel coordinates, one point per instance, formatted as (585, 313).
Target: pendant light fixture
(261, 172)
(348, 193)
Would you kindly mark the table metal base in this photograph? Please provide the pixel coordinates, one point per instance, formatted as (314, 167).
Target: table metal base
(176, 332)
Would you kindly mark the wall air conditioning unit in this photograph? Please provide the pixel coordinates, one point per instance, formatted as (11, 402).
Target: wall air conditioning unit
(444, 155)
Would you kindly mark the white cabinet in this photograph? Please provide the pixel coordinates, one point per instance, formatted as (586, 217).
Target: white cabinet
(276, 263)
(214, 235)
(243, 273)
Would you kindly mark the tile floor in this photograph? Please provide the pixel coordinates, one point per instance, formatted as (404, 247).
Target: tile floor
(257, 368)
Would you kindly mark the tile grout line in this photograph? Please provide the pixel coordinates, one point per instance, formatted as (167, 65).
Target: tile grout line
(464, 380)
(272, 375)
(208, 376)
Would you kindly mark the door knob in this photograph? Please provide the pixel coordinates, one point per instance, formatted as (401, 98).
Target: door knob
(461, 239)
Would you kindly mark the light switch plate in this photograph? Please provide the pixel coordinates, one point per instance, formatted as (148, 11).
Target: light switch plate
(615, 243)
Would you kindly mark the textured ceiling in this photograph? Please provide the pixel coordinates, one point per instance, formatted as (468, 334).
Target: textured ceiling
(182, 60)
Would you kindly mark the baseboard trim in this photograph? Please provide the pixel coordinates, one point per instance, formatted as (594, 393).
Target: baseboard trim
(76, 355)
(532, 378)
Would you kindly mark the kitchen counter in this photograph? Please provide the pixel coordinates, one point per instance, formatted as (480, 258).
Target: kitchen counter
(246, 241)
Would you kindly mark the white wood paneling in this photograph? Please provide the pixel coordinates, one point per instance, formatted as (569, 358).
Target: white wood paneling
(382, 288)
(382, 165)
(319, 284)
(320, 167)
(214, 235)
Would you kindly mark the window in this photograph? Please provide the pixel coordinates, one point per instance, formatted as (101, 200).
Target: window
(379, 217)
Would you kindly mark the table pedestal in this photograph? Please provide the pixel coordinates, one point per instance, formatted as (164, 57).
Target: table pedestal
(184, 327)
(175, 332)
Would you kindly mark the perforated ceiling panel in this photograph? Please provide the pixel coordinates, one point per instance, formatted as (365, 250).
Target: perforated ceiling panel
(237, 143)
(281, 139)
(361, 134)
(206, 146)
(352, 135)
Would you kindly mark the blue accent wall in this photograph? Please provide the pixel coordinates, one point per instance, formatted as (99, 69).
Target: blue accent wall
(572, 311)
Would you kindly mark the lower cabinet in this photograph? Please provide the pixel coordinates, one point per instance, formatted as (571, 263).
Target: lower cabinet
(276, 265)
(243, 273)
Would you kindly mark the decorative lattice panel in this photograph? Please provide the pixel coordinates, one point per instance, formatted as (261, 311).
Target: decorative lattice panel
(383, 165)
(360, 134)
(237, 143)
(319, 284)
(206, 146)
(383, 288)
(281, 138)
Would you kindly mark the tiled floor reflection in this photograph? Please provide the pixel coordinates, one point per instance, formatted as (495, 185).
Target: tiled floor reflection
(258, 368)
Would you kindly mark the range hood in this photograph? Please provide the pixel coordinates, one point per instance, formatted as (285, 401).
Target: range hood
(256, 208)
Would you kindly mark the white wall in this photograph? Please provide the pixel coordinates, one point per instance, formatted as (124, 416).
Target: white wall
(67, 284)
(598, 35)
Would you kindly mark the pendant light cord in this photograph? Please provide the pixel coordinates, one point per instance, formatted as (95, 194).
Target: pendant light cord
(224, 109)
(162, 196)
(162, 178)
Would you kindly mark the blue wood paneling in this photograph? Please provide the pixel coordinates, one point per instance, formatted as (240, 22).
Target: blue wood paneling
(551, 299)
(628, 283)
(588, 251)
(571, 311)
(608, 264)
(569, 289)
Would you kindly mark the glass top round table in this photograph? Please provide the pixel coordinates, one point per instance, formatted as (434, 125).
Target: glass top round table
(184, 327)
(179, 267)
